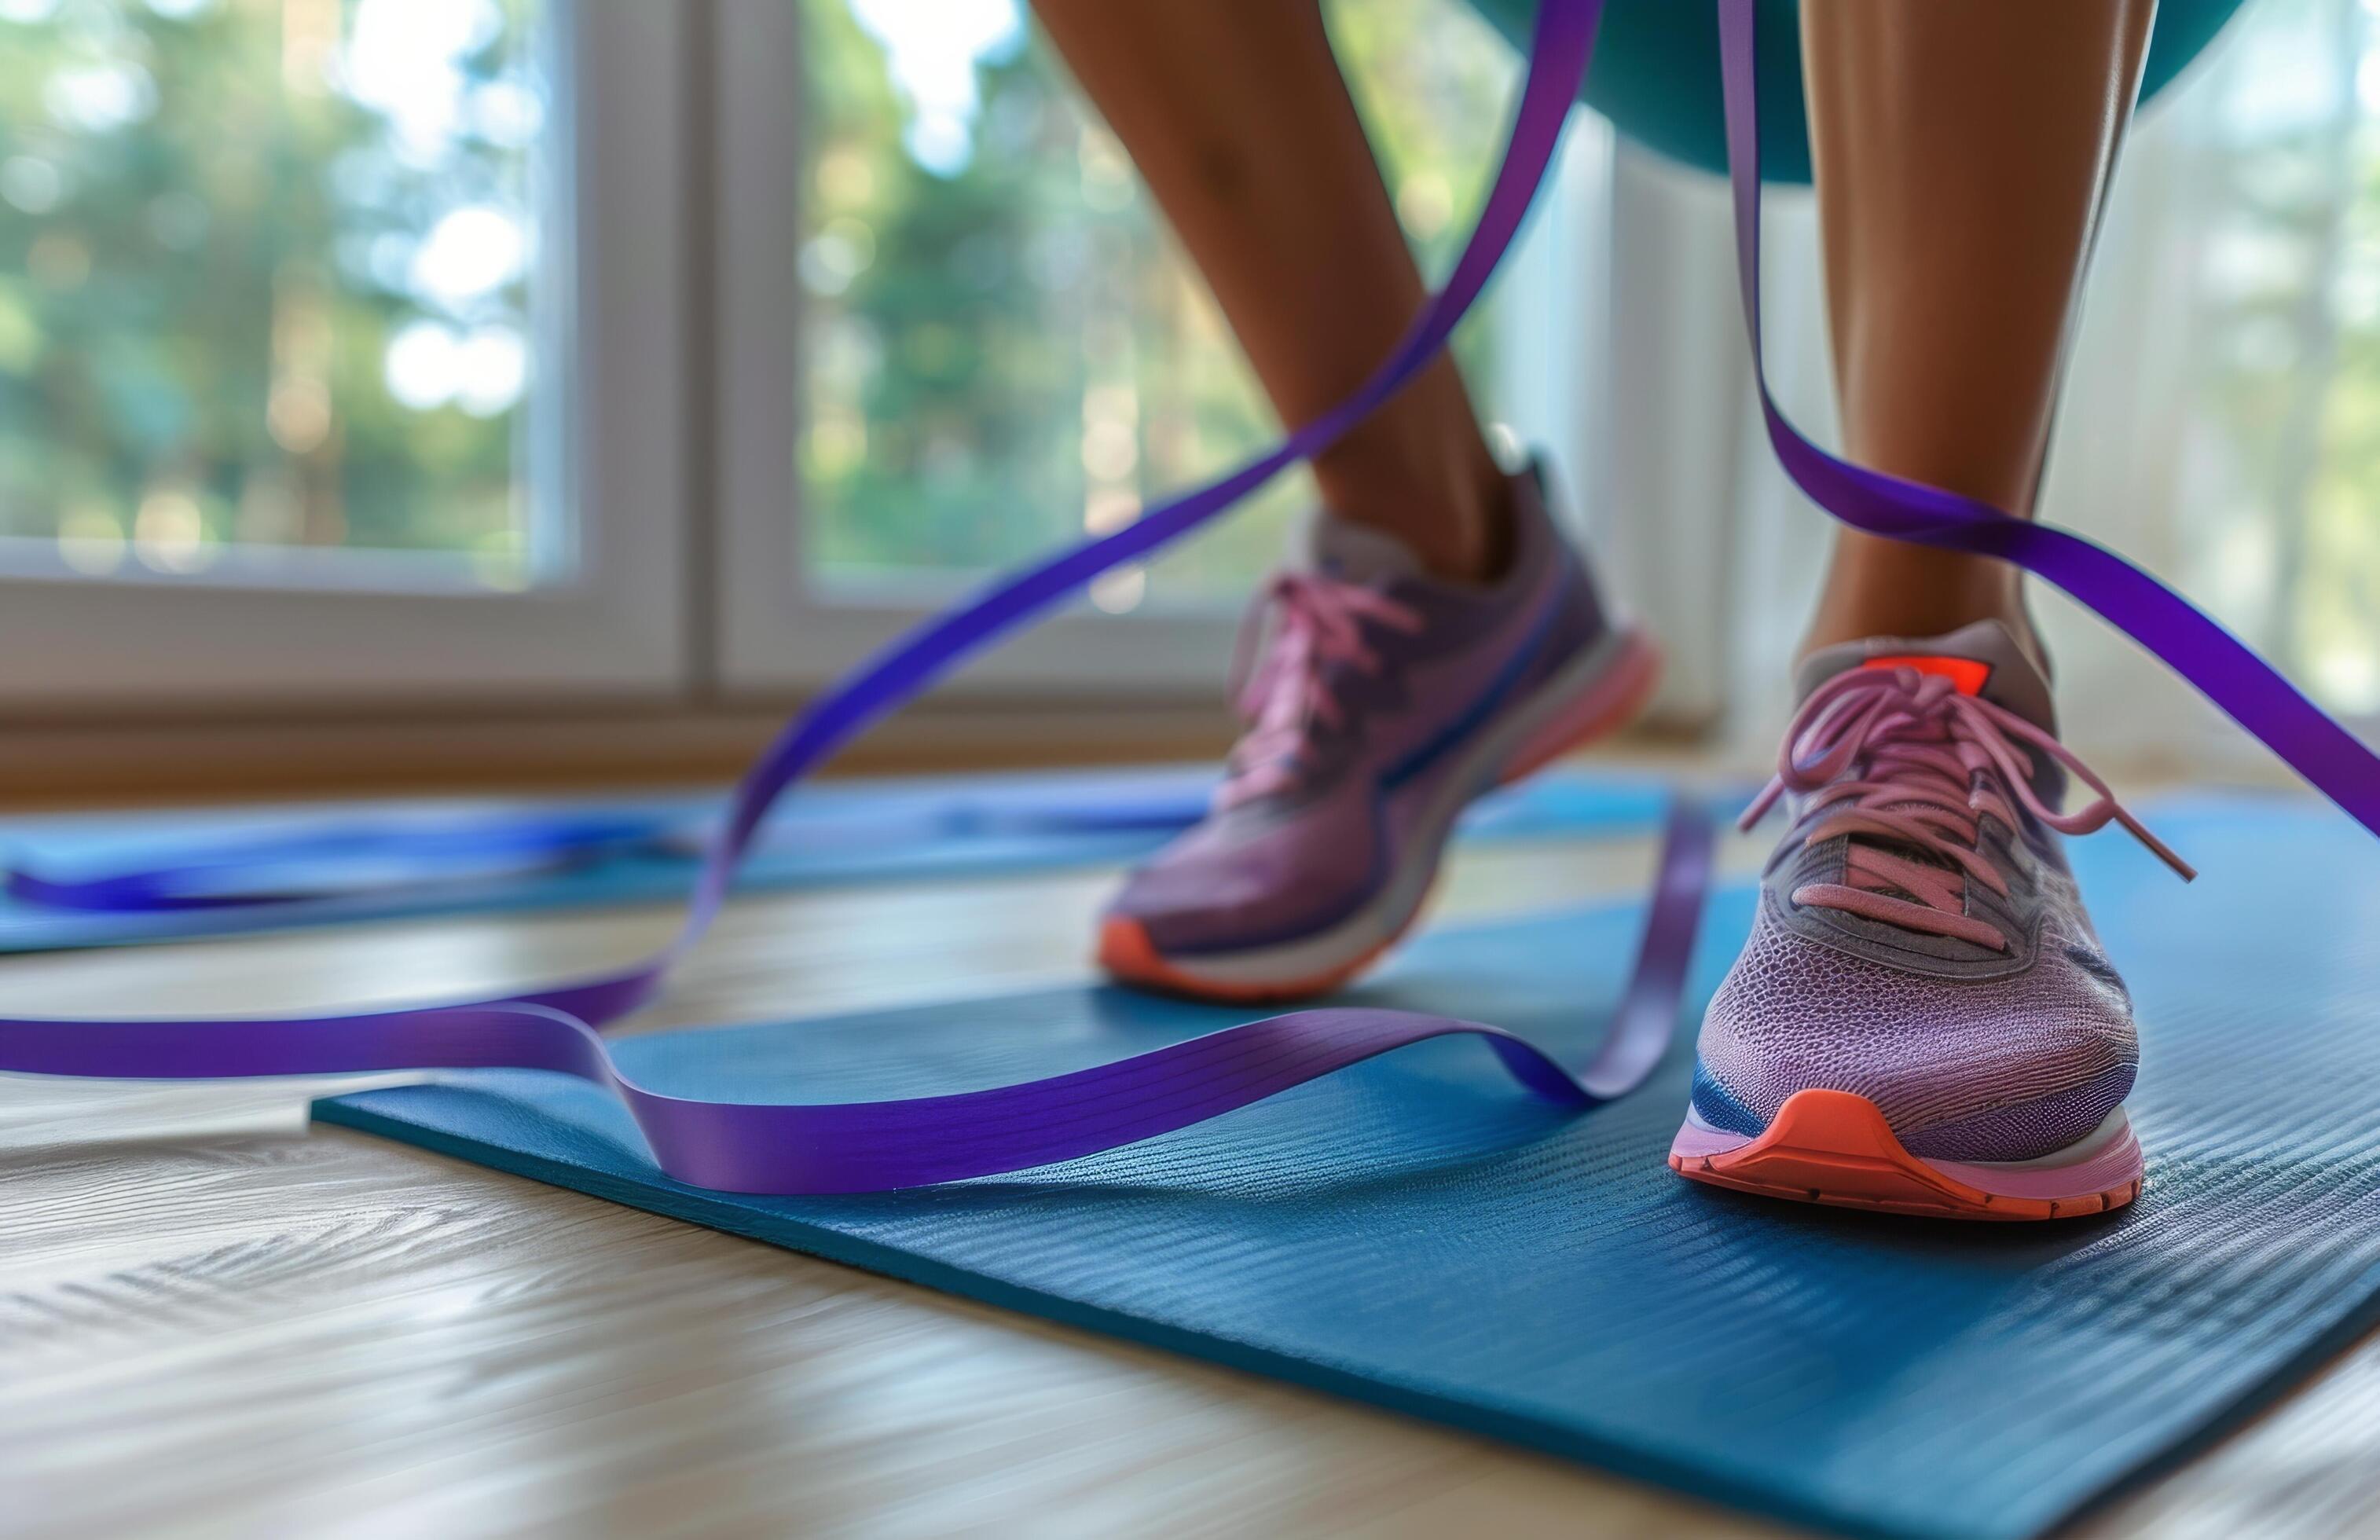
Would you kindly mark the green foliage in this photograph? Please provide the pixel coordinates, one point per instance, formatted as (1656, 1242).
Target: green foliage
(202, 243)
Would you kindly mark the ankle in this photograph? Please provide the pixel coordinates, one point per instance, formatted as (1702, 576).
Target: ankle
(1420, 469)
(1456, 517)
(1879, 588)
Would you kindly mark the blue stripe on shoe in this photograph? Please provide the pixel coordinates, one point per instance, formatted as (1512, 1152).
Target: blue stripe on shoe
(1490, 700)
(1718, 1107)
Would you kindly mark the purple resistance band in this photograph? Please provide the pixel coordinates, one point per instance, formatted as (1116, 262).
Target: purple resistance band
(869, 1147)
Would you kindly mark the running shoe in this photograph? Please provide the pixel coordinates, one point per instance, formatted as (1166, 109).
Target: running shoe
(1386, 700)
(1923, 1020)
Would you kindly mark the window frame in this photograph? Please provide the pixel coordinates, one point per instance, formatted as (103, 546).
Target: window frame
(611, 329)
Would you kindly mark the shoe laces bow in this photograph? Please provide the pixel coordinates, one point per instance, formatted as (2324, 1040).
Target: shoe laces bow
(1902, 756)
(1318, 626)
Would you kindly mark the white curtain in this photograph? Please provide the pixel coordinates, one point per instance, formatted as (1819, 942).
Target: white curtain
(2220, 423)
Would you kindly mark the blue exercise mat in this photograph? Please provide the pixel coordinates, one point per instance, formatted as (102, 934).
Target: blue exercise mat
(1418, 1233)
(839, 832)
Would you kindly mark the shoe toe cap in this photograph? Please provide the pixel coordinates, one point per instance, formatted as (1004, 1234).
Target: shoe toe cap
(2001, 1067)
(1220, 887)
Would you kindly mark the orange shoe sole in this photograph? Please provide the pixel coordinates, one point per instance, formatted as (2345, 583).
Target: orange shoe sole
(1835, 1148)
(1128, 956)
(1126, 953)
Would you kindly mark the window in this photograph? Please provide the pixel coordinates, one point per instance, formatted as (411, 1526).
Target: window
(274, 288)
(300, 302)
(354, 351)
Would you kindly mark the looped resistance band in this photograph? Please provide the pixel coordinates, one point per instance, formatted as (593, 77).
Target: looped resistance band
(874, 1145)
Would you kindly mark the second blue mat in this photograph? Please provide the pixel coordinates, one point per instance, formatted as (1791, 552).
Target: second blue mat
(839, 832)
(1416, 1233)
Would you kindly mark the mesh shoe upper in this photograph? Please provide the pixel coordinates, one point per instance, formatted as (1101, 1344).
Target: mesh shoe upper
(1374, 672)
(1919, 941)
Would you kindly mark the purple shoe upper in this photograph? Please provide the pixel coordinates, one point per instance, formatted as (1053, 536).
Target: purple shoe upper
(1920, 941)
(1377, 685)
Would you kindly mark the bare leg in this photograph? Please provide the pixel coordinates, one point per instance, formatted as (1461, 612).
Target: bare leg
(1962, 152)
(1237, 117)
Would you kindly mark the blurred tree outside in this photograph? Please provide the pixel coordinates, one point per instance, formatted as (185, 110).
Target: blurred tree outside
(264, 271)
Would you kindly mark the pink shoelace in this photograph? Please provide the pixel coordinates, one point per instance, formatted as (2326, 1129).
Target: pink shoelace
(1901, 756)
(1320, 623)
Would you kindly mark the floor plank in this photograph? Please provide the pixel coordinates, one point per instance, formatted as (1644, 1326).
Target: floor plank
(213, 1320)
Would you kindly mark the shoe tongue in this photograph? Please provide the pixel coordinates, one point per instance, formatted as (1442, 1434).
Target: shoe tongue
(1355, 553)
(1983, 658)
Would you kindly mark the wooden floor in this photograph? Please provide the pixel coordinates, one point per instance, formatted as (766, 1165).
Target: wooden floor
(216, 1321)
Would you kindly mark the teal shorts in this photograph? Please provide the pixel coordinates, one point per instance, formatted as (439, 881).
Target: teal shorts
(1656, 74)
